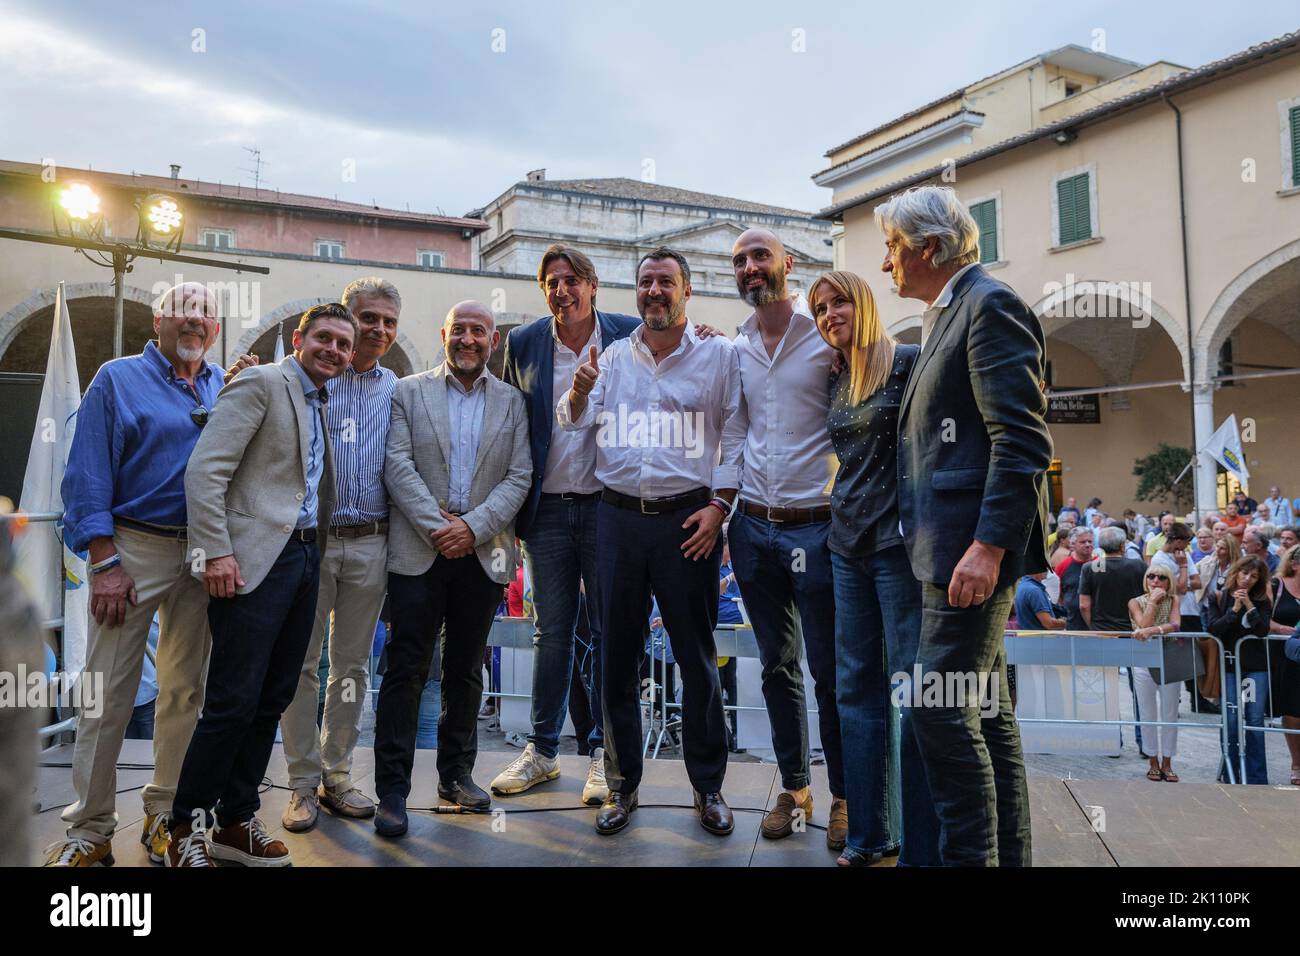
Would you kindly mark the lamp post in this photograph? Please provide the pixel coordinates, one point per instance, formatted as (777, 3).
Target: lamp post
(79, 224)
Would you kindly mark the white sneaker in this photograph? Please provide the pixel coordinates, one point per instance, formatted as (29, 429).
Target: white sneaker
(528, 770)
(596, 791)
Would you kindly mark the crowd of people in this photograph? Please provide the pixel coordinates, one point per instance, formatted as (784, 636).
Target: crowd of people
(1235, 575)
(303, 494)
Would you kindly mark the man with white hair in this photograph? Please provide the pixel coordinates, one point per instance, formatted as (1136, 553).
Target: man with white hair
(124, 500)
(973, 452)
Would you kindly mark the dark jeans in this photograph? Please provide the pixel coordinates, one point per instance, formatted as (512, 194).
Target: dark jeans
(783, 571)
(458, 592)
(973, 763)
(140, 726)
(1254, 704)
(259, 643)
(877, 632)
(638, 553)
(560, 551)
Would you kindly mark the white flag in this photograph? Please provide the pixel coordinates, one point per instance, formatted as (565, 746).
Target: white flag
(1224, 447)
(44, 565)
(279, 343)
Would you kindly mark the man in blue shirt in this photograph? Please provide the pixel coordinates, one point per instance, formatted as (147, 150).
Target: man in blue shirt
(124, 500)
(1034, 611)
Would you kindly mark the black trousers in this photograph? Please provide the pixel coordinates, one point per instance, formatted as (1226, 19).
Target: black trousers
(259, 643)
(638, 553)
(459, 593)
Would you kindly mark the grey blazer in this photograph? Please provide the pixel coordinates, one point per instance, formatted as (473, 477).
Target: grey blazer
(246, 480)
(416, 473)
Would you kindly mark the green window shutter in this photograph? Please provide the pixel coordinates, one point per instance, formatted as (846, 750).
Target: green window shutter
(1295, 145)
(985, 215)
(1074, 205)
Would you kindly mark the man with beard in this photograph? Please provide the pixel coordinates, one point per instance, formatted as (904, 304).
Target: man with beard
(260, 489)
(558, 522)
(457, 469)
(352, 572)
(124, 500)
(661, 400)
(782, 524)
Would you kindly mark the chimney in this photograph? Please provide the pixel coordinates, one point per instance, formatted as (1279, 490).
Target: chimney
(536, 176)
(176, 170)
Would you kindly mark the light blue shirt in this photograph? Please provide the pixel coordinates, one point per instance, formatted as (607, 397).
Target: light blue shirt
(315, 450)
(360, 404)
(465, 409)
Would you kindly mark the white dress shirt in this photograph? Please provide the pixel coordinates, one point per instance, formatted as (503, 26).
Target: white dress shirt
(571, 460)
(465, 410)
(941, 303)
(660, 428)
(789, 460)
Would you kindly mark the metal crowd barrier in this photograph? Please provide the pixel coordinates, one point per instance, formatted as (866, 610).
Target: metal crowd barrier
(1168, 653)
(1238, 704)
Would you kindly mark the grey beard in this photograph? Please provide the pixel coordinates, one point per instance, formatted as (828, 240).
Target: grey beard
(189, 353)
(668, 321)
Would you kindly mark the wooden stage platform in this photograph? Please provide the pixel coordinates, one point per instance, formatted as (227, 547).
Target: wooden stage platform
(1138, 823)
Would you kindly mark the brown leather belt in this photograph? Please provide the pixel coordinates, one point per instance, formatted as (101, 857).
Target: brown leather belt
(785, 515)
(305, 535)
(656, 506)
(147, 527)
(359, 530)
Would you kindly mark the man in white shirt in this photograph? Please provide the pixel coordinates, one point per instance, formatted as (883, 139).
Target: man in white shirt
(779, 534)
(662, 401)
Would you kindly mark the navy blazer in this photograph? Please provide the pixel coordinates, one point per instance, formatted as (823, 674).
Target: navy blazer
(529, 364)
(973, 445)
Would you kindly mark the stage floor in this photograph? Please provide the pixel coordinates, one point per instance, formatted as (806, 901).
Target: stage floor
(1075, 822)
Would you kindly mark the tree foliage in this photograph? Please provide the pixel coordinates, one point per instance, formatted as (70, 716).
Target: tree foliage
(1156, 474)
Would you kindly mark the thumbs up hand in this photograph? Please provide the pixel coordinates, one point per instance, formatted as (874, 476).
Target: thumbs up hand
(585, 378)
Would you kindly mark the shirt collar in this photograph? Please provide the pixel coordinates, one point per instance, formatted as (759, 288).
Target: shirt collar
(689, 338)
(945, 296)
(595, 332)
(154, 356)
(801, 311)
(309, 388)
(454, 382)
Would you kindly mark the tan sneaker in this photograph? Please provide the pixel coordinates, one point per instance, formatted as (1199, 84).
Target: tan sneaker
(595, 791)
(347, 803)
(527, 770)
(837, 831)
(301, 813)
(249, 843)
(79, 853)
(780, 820)
(155, 836)
(188, 848)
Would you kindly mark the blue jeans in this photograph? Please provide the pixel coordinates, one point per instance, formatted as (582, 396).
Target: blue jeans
(1256, 762)
(426, 731)
(877, 631)
(783, 571)
(140, 726)
(560, 551)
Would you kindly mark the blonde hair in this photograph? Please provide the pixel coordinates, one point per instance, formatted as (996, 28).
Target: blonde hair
(1164, 573)
(870, 355)
(1290, 561)
(1230, 542)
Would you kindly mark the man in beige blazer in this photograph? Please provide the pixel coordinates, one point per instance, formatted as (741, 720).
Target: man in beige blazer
(458, 469)
(259, 492)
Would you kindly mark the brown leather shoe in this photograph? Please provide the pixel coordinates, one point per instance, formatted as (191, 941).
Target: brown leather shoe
(616, 812)
(837, 831)
(715, 815)
(779, 821)
(248, 843)
(186, 848)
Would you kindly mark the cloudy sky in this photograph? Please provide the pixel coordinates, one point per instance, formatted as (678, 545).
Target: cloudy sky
(441, 106)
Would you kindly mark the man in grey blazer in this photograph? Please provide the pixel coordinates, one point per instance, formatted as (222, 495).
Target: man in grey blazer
(259, 492)
(458, 470)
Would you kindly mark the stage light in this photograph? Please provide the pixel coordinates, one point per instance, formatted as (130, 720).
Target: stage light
(161, 216)
(79, 202)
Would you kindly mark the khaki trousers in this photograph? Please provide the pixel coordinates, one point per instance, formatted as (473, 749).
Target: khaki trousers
(353, 580)
(21, 648)
(160, 568)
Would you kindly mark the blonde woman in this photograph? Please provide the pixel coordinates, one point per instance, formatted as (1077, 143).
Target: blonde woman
(1155, 613)
(1213, 569)
(877, 598)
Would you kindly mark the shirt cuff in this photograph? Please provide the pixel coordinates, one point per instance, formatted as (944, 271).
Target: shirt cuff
(564, 417)
(97, 525)
(726, 476)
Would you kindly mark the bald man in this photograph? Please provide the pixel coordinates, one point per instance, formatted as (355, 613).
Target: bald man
(124, 501)
(458, 469)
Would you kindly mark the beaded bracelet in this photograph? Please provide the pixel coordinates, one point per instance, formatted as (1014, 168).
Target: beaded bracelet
(106, 564)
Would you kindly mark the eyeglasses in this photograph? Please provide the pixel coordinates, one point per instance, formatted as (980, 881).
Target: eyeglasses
(1155, 577)
(199, 416)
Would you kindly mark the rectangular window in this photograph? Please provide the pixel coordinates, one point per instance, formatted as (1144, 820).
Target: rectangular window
(1295, 145)
(985, 215)
(428, 259)
(1074, 210)
(329, 249)
(217, 238)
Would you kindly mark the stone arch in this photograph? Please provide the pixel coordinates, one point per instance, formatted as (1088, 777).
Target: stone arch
(14, 320)
(907, 330)
(1134, 304)
(1234, 301)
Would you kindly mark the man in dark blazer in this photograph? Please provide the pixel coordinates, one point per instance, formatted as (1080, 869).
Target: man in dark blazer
(972, 499)
(558, 520)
